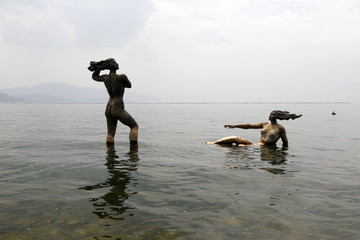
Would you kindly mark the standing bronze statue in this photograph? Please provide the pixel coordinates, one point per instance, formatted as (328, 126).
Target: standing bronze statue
(115, 108)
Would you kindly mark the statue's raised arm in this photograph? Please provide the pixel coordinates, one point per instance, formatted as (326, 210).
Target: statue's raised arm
(97, 67)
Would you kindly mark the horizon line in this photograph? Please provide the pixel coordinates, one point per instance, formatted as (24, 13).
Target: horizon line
(195, 102)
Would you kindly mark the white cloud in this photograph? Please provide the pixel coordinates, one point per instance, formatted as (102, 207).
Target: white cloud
(30, 26)
(214, 50)
(107, 24)
(53, 24)
(248, 45)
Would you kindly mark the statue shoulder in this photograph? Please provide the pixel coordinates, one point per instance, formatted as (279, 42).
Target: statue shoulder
(122, 76)
(124, 79)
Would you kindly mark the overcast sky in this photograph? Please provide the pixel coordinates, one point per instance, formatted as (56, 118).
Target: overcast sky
(189, 50)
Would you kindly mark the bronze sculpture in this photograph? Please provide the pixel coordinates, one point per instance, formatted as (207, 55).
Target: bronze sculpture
(271, 131)
(115, 108)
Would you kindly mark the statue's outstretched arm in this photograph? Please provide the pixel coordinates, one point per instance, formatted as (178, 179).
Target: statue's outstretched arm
(246, 125)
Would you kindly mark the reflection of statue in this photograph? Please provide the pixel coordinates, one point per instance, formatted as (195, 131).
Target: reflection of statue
(112, 204)
(239, 158)
(115, 109)
(274, 156)
(246, 158)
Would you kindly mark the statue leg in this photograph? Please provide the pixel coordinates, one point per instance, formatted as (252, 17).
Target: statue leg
(111, 129)
(126, 119)
(232, 140)
(133, 136)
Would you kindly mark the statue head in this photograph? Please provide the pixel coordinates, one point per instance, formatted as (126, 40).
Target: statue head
(109, 64)
(282, 115)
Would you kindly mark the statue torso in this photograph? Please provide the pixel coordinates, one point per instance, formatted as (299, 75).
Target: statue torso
(270, 133)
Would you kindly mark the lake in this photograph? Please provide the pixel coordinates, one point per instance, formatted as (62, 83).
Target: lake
(59, 180)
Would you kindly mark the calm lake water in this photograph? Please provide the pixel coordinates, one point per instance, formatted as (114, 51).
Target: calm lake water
(58, 180)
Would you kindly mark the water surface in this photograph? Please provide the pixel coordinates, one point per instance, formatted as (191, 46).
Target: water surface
(58, 179)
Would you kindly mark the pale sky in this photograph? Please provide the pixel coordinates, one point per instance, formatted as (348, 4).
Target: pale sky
(189, 50)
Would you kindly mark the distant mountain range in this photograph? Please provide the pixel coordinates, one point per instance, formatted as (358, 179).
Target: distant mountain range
(65, 93)
(7, 98)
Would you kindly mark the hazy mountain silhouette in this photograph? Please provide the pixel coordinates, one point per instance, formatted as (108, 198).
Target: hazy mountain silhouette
(7, 98)
(66, 93)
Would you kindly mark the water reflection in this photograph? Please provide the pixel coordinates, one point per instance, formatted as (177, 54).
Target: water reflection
(239, 157)
(274, 156)
(120, 184)
(246, 158)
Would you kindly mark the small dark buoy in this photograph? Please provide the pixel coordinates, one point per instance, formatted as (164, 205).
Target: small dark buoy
(333, 113)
